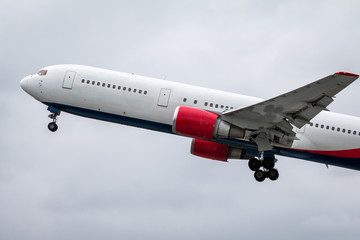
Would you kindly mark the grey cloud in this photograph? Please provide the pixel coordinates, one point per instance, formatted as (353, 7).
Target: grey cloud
(94, 180)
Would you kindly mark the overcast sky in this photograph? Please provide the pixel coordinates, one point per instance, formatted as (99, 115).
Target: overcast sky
(98, 180)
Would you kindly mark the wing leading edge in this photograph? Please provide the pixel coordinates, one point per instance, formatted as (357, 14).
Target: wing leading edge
(272, 121)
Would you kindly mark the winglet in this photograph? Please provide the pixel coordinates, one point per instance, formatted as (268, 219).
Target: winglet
(348, 74)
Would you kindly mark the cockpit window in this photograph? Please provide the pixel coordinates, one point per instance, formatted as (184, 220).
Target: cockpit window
(42, 72)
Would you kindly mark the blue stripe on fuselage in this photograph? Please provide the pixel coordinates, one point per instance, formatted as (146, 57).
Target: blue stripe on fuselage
(114, 118)
(251, 148)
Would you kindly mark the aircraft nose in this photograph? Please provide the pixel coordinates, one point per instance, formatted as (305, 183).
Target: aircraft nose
(24, 83)
(30, 84)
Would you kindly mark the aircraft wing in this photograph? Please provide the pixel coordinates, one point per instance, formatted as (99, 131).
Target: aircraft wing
(272, 121)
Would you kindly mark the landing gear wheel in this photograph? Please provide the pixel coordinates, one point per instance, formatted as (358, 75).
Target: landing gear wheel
(260, 175)
(52, 126)
(273, 174)
(254, 164)
(268, 163)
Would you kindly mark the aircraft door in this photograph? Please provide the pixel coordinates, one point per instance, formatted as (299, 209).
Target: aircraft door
(164, 97)
(69, 79)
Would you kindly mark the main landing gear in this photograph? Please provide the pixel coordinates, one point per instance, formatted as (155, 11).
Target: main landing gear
(52, 126)
(264, 168)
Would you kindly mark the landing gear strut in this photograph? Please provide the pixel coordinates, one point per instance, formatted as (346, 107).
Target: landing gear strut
(52, 126)
(264, 168)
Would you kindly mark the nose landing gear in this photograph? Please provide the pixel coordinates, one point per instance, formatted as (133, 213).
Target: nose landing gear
(52, 126)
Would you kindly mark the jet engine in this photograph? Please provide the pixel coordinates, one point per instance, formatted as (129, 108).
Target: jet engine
(216, 151)
(198, 123)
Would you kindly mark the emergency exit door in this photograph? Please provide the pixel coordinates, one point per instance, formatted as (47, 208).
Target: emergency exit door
(69, 79)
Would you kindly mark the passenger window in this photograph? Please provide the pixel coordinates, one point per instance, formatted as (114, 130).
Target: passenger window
(119, 87)
(93, 83)
(354, 132)
(333, 128)
(124, 88)
(140, 91)
(98, 83)
(211, 104)
(317, 125)
(195, 101)
(103, 84)
(338, 129)
(344, 130)
(88, 81)
(129, 89)
(206, 103)
(184, 100)
(216, 105)
(322, 125)
(114, 86)
(83, 80)
(349, 131)
(134, 90)
(145, 92)
(327, 127)
(222, 106)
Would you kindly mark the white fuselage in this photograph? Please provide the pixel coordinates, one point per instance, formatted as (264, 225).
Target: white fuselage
(154, 100)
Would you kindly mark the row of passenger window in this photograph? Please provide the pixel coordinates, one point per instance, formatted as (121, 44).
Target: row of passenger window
(335, 129)
(113, 86)
(213, 105)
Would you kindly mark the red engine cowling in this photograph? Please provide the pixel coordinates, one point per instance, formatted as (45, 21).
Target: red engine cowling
(194, 122)
(211, 150)
(216, 151)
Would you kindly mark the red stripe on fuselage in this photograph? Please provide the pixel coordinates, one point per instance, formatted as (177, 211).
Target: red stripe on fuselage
(350, 153)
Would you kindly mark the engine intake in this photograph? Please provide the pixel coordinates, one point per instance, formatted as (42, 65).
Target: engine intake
(198, 123)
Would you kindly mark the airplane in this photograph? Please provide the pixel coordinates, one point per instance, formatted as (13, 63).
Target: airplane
(222, 125)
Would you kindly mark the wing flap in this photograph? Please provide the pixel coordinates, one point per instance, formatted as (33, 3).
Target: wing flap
(308, 112)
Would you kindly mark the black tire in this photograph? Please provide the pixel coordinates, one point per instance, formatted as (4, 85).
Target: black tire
(260, 175)
(273, 174)
(52, 126)
(268, 163)
(254, 164)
